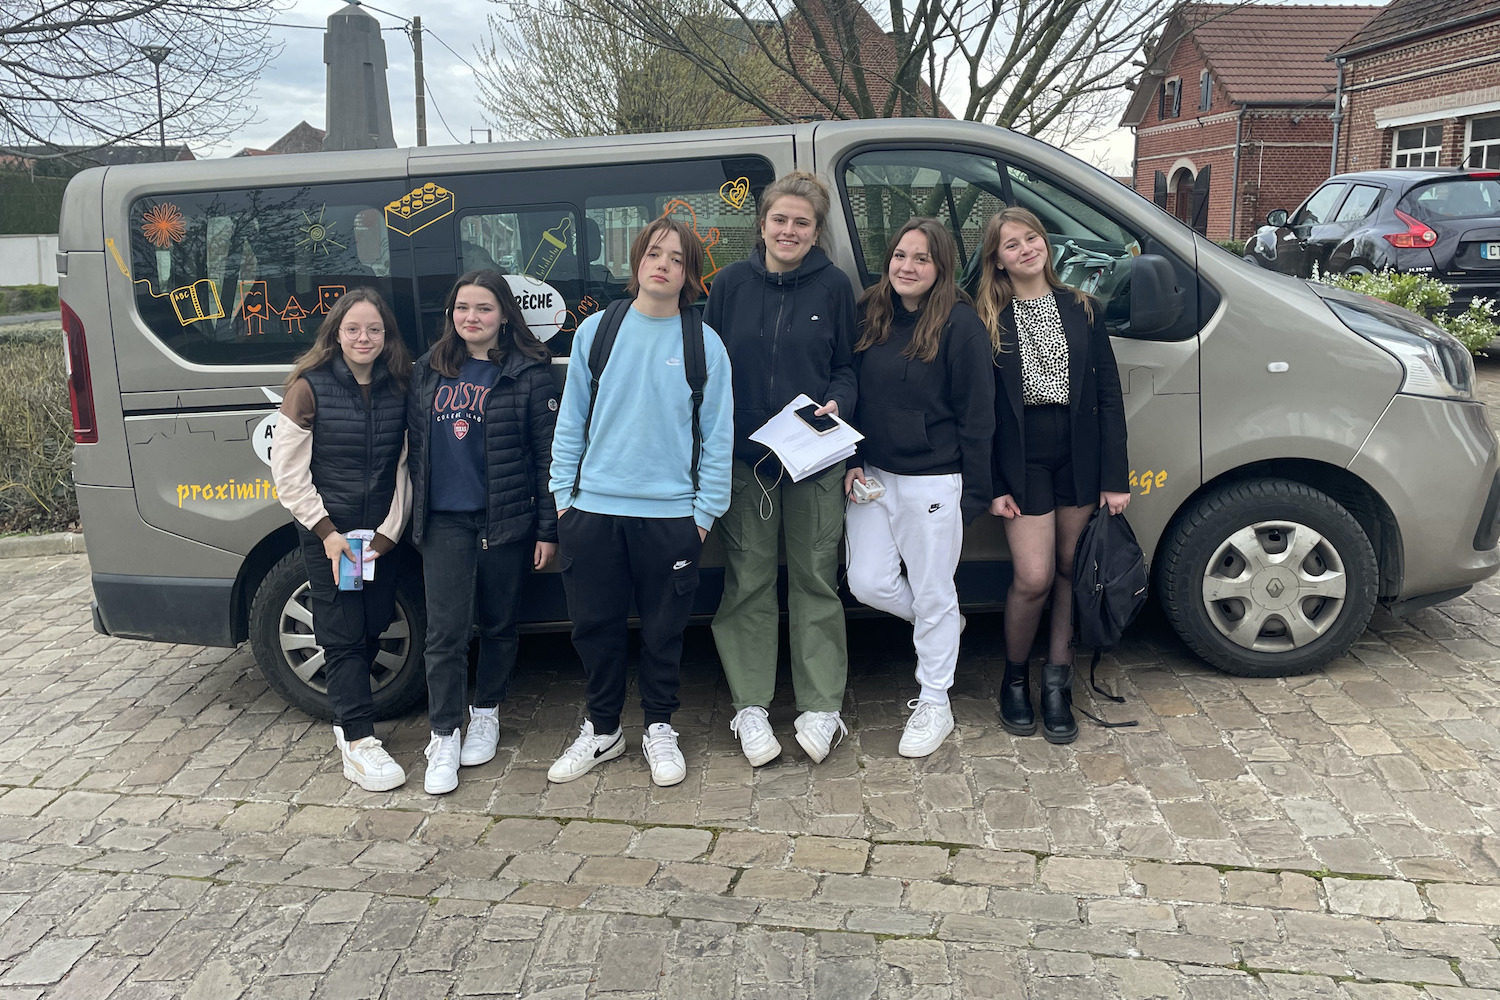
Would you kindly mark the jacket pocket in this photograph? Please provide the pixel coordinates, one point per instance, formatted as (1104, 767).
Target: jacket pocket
(901, 431)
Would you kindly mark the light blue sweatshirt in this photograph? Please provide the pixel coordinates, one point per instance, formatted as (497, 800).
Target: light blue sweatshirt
(639, 458)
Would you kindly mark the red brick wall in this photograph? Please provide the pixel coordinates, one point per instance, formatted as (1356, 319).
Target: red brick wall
(1280, 161)
(1420, 70)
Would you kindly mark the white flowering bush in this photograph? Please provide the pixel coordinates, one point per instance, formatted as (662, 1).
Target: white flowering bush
(1427, 297)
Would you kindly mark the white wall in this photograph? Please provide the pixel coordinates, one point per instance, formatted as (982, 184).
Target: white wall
(28, 260)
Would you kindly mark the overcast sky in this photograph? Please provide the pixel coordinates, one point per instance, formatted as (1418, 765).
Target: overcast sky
(292, 88)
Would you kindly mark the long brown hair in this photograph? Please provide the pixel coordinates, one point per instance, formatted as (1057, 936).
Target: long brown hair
(936, 306)
(325, 346)
(692, 258)
(450, 351)
(996, 290)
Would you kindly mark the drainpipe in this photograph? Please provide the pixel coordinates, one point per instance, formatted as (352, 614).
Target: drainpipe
(1234, 189)
(1338, 114)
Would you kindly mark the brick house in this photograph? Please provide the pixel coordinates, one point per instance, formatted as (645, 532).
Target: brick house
(1421, 87)
(303, 138)
(1237, 100)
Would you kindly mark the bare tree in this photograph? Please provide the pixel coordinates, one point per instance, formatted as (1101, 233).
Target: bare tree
(570, 68)
(1052, 68)
(78, 73)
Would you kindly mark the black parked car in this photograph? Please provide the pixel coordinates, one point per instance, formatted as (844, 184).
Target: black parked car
(1441, 222)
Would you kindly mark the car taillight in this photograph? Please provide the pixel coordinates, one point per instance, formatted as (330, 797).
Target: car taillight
(1417, 236)
(1484, 175)
(80, 384)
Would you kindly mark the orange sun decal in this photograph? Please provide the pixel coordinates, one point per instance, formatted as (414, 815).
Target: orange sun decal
(163, 226)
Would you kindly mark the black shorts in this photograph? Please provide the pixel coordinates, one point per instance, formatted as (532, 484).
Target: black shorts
(1050, 476)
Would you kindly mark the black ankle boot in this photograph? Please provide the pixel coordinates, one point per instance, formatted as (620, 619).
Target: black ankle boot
(1015, 700)
(1058, 725)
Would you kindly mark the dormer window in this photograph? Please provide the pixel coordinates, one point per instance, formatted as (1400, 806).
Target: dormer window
(1169, 102)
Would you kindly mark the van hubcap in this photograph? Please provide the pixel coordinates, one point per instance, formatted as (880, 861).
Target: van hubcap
(1273, 586)
(305, 656)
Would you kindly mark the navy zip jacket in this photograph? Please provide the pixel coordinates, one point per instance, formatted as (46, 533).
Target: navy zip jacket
(786, 333)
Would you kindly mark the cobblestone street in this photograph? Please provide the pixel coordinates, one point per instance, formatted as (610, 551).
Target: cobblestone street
(169, 827)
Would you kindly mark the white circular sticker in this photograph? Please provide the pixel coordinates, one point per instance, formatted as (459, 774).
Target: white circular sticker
(260, 438)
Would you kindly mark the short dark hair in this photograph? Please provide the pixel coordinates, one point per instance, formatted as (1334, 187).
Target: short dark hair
(692, 258)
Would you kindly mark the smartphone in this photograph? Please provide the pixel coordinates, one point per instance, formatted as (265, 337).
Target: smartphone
(821, 425)
(352, 571)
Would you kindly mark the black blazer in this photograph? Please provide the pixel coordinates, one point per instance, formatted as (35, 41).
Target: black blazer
(1096, 407)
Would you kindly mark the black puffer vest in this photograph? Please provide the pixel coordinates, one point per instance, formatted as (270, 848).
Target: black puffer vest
(356, 445)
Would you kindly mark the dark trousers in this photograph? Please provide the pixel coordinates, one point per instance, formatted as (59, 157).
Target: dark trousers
(347, 624)
(468, 580)
(607, 560)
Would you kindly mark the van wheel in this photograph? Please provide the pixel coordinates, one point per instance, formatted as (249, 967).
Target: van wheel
(1267, 578)
(281, 633)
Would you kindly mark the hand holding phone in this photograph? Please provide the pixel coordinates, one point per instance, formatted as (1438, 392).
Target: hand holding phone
(820, 424)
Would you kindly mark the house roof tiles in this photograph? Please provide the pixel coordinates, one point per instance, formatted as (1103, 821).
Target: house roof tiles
(1272, 55)
(1406, 18)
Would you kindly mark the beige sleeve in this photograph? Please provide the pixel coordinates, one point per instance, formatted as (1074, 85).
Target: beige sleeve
(395, 520)
(291, 469)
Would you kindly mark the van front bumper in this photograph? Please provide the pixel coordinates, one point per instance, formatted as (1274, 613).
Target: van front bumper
(164, 608)
(1434, 463)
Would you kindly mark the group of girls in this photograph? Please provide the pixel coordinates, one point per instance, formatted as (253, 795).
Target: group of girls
(1010, 405)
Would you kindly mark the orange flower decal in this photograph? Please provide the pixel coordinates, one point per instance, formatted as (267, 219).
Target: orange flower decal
(163, 226)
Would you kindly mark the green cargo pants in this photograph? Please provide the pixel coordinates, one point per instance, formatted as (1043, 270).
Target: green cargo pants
(811, 513)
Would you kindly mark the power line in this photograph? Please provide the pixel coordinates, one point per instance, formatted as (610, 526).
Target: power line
(431, 34)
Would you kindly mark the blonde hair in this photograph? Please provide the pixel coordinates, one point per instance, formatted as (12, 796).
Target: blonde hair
(797, 184)
(996, 290)
(941, 297)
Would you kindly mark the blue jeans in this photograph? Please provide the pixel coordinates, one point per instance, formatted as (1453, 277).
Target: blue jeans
(469, 580)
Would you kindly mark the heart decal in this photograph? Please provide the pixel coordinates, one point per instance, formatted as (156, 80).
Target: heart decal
(736, 191)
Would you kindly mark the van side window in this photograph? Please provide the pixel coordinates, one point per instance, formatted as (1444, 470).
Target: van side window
(245, 277)
(885, 188)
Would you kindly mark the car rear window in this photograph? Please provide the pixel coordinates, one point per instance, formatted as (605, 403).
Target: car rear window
(1459, 198)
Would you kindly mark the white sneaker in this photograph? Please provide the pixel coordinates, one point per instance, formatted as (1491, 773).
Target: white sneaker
(756, 739)
(928, 726)
(820, 732)
(482, 737)
(589, 749)
(660, 747)
(367, 764)
(442, 763)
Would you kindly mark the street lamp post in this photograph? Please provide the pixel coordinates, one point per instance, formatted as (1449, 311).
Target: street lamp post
(158, 54)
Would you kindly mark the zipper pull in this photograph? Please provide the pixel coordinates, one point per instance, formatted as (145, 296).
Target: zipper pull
(484, 543)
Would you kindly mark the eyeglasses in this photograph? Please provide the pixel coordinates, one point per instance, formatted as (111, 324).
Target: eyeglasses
(353, 332)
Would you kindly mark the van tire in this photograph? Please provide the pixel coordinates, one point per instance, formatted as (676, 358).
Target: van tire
(1262, 519)
(280, 608)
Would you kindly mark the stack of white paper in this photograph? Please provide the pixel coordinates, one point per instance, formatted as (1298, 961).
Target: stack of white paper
(802, 450)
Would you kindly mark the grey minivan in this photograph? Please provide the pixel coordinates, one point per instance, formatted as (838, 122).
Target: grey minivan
(1299, 454)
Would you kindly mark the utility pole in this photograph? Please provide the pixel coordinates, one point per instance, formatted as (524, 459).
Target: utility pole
(416, 47)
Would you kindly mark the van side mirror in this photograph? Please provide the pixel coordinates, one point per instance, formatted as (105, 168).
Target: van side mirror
(1155, 298)
(1276, 218)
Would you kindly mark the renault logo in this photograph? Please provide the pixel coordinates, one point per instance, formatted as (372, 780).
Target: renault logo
(1274, 588)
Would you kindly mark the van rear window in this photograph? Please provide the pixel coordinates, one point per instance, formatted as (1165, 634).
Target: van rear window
(245, 277)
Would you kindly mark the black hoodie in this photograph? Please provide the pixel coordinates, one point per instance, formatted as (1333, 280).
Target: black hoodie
(930, 418)
(786, 333)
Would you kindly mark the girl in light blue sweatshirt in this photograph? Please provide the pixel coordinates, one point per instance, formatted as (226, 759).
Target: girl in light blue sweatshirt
(639, 479)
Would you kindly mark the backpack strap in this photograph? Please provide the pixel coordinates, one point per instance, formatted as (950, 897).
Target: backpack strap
(1094, 683)
(604, 343)
(695, 366)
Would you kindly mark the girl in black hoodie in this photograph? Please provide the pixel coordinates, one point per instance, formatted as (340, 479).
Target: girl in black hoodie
(787, 319)
(927, 411)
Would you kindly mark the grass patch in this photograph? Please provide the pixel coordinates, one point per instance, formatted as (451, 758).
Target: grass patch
(36, 432)
(16, 299)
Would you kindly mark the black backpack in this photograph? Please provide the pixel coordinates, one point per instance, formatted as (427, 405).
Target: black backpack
(694, 366)
(1109, 590)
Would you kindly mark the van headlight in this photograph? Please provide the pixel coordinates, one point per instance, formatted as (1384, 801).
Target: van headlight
(1436, 363)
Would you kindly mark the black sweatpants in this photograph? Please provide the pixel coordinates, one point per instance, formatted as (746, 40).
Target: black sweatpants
(606, 560)
(347, 624)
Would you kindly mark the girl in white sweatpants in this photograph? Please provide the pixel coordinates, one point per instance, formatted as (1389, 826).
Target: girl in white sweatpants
(926, 408)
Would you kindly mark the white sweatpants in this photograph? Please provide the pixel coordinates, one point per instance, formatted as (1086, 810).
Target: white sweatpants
(917, 522)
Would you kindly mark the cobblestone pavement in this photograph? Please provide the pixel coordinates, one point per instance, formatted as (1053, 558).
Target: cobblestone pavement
(168, 827)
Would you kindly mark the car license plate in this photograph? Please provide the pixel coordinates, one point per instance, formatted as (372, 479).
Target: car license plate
(1489, 251)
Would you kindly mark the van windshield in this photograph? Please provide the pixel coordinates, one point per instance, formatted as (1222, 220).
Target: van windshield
(245, 277)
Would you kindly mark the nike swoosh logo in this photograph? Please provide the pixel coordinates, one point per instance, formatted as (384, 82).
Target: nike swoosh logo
(600, 752)
(682, 564)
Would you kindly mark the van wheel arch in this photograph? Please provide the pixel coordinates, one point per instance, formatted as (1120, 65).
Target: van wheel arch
(258, 562)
